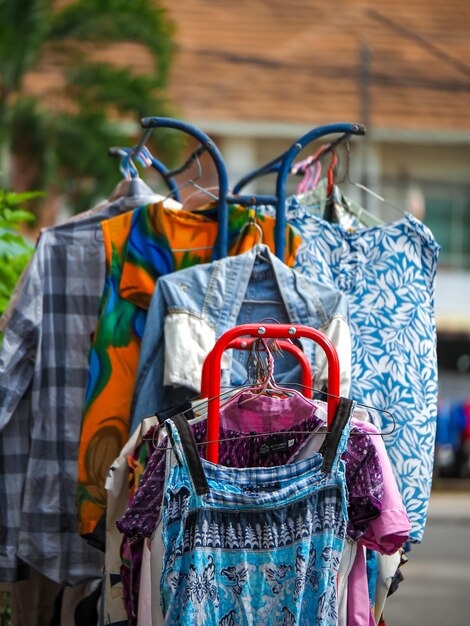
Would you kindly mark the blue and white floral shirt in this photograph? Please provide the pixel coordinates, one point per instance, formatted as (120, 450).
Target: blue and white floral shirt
(387, 273)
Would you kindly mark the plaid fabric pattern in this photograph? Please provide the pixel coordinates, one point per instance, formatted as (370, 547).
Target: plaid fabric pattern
(43, 374)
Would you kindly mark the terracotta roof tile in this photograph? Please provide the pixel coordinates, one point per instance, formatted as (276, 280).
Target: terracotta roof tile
(297, 62)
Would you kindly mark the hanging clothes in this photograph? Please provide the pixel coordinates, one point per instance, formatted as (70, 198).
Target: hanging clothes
(43, 373)
(248, 414)
(259, 545)
(254, 414)
(140, 247)
(190, 309)
(386, 532)
(123, 477)
(387, 274)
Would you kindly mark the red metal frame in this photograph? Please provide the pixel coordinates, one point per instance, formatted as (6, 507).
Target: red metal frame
(267, 331)
(244, 343)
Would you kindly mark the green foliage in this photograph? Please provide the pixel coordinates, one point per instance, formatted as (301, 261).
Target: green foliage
(15, 250)
(5, 609)
(118, 20)
(61, 138)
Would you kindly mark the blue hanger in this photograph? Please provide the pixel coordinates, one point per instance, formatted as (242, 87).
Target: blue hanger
(149, 123)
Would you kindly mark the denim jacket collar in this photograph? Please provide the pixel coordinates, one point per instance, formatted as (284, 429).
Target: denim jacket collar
(229, 281)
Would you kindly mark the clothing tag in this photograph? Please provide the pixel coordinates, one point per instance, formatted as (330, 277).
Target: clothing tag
(276, 444)
(265, 488)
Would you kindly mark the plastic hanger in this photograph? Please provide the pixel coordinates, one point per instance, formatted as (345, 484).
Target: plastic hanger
(132, 184)
(336, 202)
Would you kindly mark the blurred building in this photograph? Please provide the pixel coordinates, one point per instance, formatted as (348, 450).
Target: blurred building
(257, 75)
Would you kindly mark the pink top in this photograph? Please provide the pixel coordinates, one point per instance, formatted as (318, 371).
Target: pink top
(386, 534)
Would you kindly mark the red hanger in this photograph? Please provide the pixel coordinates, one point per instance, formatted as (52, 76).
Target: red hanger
(211, 372)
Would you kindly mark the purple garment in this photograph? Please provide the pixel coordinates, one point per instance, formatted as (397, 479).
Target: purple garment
(140, 519)
(363, 470)
(261, 414)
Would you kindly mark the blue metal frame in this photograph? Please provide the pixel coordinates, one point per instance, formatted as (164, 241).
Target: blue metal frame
(282, 166)
(264, 170)
(221, 244)
(167, 177)
(286, 165)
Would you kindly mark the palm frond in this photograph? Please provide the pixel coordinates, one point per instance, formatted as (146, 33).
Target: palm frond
(24, 26)
(98, 85)
(138, 21)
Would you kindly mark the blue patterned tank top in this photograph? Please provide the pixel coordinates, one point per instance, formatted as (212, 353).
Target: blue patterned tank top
(253, 545)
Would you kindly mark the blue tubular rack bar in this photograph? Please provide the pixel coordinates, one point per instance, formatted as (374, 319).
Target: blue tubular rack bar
(167, 177)
(149, 123)
(282, 165)
(285, 168)
(251, 200)
(264, 170)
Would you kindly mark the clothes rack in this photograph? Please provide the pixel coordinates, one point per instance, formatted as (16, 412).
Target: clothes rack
(165, 173)
(267, 331)
(281, 164)
(149, 123)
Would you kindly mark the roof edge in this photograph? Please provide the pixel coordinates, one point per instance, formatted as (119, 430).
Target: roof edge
(280, 130)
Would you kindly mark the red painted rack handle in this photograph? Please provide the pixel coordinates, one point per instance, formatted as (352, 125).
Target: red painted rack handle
(244, 343)
(267, 331)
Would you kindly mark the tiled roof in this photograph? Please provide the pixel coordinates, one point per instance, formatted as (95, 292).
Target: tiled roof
(297, 61)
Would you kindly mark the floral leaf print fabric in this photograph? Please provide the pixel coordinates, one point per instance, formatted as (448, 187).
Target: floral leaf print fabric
(305, 571)
(388, 275)
(201, 586)
(228, 620)
(236, 577)
(288, 618)
(276, 576)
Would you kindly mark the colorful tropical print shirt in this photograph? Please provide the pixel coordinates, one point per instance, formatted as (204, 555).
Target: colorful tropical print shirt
(140, 246)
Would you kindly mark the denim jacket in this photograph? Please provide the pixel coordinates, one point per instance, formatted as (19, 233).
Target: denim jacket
(192, 308)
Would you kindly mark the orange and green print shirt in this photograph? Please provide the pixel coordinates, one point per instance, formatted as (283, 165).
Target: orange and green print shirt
(141, 245)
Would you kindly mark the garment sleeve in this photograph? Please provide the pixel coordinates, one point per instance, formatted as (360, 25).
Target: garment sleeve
(388, 532)
(8, 312)
(364, 479)
(20, 347)
(337, 330)
(148, 389)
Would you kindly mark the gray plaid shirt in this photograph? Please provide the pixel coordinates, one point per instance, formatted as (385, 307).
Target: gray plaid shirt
(43, 376)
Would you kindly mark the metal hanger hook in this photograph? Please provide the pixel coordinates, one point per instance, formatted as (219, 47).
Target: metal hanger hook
(252, 222)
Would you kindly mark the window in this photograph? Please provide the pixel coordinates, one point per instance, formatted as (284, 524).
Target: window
(448, 216)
